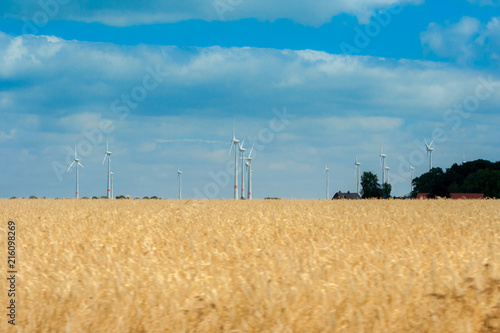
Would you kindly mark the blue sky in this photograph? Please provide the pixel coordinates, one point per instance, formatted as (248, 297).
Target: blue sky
(305, 82)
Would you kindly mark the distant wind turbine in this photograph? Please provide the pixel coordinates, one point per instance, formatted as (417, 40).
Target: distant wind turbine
(430, 150)
(77, 162)
(108, 155)
(242, 152)
(235, 142)
(358, 176)
(382, 161)
(249, 166)
(179, 174)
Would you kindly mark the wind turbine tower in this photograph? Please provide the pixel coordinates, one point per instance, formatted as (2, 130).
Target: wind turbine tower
(429, 152)
(235, 142)
(242, 152)
(108, 155)
(179, 174)
(327, 181)
(249, 166)
(358, 176)
(77, 162)
(112, 195)
(382, 160)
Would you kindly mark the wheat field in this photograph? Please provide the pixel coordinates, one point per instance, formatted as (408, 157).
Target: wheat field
(254, 266)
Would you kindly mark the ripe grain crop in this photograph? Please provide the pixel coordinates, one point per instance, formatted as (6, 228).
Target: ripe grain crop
(255, 266)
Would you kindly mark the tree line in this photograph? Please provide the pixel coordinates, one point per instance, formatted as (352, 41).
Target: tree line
(478, 176)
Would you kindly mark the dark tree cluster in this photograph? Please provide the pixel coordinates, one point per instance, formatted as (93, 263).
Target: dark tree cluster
(370, 187)
(479, 176)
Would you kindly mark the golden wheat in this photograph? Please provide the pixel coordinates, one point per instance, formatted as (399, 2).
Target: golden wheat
(255, 266)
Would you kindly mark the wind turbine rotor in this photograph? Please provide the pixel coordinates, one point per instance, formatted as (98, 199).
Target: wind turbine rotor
(77, 163)
(70, 166)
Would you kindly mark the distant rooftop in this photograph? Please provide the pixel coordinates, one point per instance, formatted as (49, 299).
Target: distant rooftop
(348, 195)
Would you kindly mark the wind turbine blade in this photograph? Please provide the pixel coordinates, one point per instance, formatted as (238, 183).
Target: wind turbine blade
(75, 151)
(230, 149)
(431, 143)
(80, 164)
(250, 155)
(70, 166)
(104, 160)
(243, 142)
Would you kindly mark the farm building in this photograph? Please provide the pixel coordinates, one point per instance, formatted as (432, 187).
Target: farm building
(348, 195)
(456, 195)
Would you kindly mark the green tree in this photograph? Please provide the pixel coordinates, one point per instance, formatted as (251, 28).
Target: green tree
(428, 182)
(439, 190)
(370, 188)
(478, 176)
(483, 181)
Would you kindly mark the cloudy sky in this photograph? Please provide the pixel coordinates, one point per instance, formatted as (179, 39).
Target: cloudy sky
(305, 83)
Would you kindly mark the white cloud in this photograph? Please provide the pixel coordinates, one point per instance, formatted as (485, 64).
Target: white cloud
(4, 136)
(25, 156)
(467, 40)
(125, 13)
(81, 121)
(362, 123)
(485, 2)
(74, 78)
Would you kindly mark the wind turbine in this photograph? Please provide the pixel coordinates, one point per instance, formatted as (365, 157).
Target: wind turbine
(463, 158)
(382, 161)
(179, 174)
(108, 155)
(112, 195)
(387, 174)
(77, 161)
(429, 152)
(249, 166)
(235, 142)
(358, 178)
(411, 177)
(327, 181)
(242, 152)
